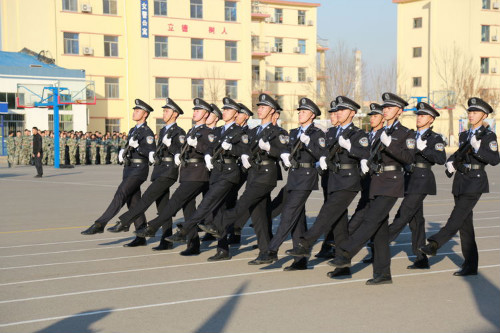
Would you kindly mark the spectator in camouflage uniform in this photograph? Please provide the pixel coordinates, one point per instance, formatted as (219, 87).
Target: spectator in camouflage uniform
(62, 149)
(45, 141)
(93, 149)
(50, 155)
(71, 142)
(26, 148)
(82, 146)
(114, 149)
(11, 149)
(19, 145)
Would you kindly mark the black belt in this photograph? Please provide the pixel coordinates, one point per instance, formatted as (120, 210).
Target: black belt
(304, 165)
(423, 165)
(138, 160)
(385, 168)
(167, 159)
(474, 166)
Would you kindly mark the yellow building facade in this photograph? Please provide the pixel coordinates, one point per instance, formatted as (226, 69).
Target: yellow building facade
(447, 50)
(151, 49)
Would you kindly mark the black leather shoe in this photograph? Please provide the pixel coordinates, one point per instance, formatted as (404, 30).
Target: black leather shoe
(234, 239)
(178, 237)
(190, 251)
(341, 260)
(95, 228)
(164, 245)
(237, 231)
(210, 228)
(265, 258)
(208, 238)
(299, 251)
(430, 248)
(138, 241)
(465, 272)
(368, 260)
(420, 264)
(220, 255)
(38, 176)
(326, 253)
(118, 227)
(382, 279)
(145, 232)
(346, 271)
(300, 265)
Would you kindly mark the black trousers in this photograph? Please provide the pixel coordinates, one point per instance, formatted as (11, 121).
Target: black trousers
(374, 225)
(329, 216)
(411, 212)
(461, 221)
(38, 165)
(294, 211)
(255, 201)
(210, 204)
(129, 192)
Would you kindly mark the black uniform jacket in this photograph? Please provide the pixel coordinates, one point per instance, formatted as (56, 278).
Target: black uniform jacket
(476, 181)
(146, 139)
(400, 152)
(302, 178)
(168, 169)
(196, 171)
(265, 165)
(224, 168)
(422, 180)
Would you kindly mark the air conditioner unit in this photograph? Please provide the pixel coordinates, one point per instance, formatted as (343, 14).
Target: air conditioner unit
(296, 49)
(309, 79)
(86, 8)
(310, 22)
(272, 20)
(88, 50)
(494, 38)
(288, 79)
(496, 5)
(493, 70)
(274, 49)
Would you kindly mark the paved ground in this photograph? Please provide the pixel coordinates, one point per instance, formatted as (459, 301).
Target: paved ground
(52, 279)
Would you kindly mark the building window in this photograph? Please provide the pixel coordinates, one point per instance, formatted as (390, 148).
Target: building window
(302, 46)
(485, 33)
(13, 122)
(161, 87)
(278, 74)
(110, 46)
(417, 81)
(302, 74)
(111, 87)
(230, 11)
(255, 72)
(417, 52)
(278, 15)
(302, 17)
(197, 9)
(161, 46)
(70, 5)
(278, 44)
(70, 43)
(486, 4)
(485, 65)
(65, 122)
(196, 88)
(10, 98)
(196, 48)
(112, 125)
(160, 7)
(109, 7)
(232, 89)
(231, 51)
(417, 22)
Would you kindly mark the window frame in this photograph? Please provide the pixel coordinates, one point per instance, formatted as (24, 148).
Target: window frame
(416, 54)
(419, 20)
(487, 39)
(158, 7)
(485, 65)
(162, 86)
(232, 11)
(230, 88)
(231, 50)
(75, 42)
(196, 9)
(302, 74)
(111, 10)
(278, 15)
(417, 81)
(109, 46)
(68, 4)
(196, 87)
(198, 49)
(278, 45)
(111, 89)
(278, 74)
(158, 47)
(299, 17)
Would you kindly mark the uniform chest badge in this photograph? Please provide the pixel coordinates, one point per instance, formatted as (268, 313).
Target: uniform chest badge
(182, 139)
(439, 147)
(244, 139)
(211, 137)
(321, 142)
(410, 143)
(282, 139)
(493, 145)
(363, 141)
(150, 140)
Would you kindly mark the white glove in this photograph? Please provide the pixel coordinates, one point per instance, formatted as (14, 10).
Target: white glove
(208, 162)
(345, 143)
(264, 145)
(475, 143)
(364, 166)
(193, 142)
(285, 157)
(322, 163)
(120, 155)
(226, 145)
(167, 141)
(386, 139)
(151, 157)
(305, 138)
(245, 160)
(177, 159)
(421, 144)
(133, 143)
(450, 167)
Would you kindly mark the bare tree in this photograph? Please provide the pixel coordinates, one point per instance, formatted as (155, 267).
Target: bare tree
(215, 86)
(381, 79)
(340, 72)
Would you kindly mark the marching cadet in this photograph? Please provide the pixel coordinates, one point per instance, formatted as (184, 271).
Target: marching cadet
(306, 146)
(214, 116)
(166, 160)
(264, 144)
(478, 147)
(243, 116)
(193, 178)
(225, 173)
(135, 172)
(345, 151)
(395, 149)
(420, 182)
